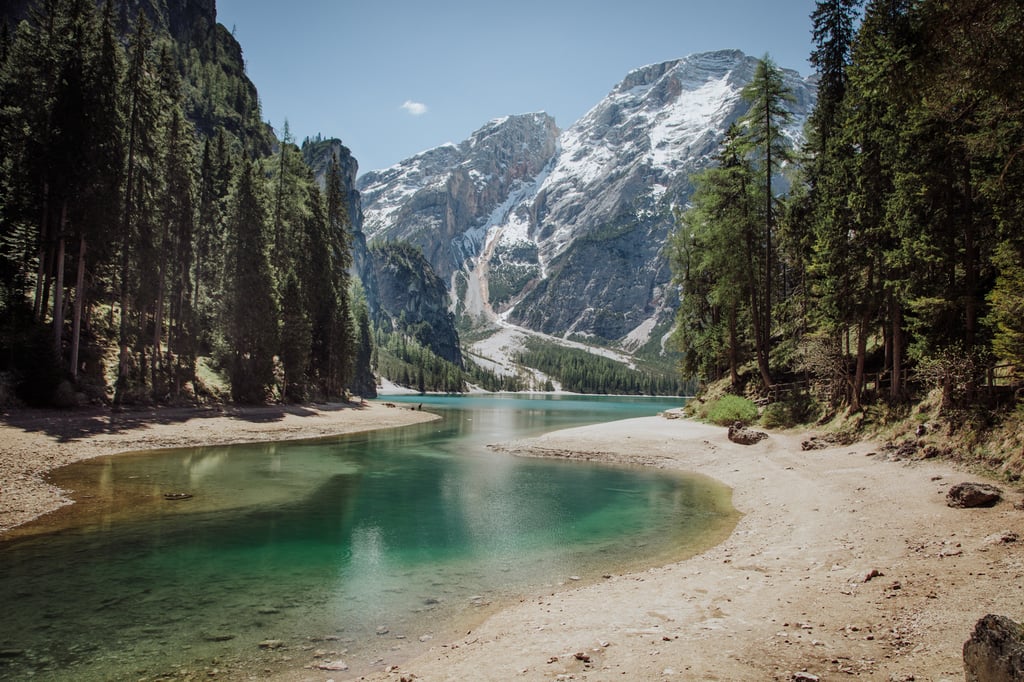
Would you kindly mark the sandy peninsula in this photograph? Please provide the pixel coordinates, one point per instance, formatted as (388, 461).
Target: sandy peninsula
(845, 565)
(33, 442)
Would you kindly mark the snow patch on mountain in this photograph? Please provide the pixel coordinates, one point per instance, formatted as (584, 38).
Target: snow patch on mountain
(563, 232)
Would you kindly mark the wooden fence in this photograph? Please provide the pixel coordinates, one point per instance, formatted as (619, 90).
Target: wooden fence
(1002, 383)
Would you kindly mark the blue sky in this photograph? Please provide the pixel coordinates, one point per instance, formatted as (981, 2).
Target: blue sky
(391, 78)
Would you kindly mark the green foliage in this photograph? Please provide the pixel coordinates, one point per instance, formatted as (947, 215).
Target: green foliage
(27, 360)
(728, 410)
(1006, 302)
(508, 279)
(403, 360)
(896, 260)
(489, 380)
(136, 179)
(789, 413)
(581, 371)
(718, 256)
(250, 311)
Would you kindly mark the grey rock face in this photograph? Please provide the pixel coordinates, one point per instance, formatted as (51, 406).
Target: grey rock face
(414, 300)
(567, 231)
(317, 155)
(441, 200)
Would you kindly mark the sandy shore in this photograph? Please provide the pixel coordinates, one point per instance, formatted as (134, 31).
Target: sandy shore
(789, 590)
(33, 442)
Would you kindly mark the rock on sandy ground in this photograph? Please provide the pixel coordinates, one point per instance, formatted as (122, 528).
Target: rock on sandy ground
(33, 442)
(844, 566)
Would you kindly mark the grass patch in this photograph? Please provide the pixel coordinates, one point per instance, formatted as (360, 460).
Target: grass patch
(729, 409)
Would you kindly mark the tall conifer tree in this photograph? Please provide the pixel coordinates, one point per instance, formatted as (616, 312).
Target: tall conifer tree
(763, 134)
(250, 312)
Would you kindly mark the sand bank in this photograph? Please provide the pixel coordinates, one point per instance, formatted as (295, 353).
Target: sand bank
(33, 442)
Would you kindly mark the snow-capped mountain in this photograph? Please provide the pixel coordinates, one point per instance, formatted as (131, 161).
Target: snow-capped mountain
(563, 233)
(440, 200)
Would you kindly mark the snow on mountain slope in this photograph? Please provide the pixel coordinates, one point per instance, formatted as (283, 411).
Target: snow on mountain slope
(440, 200)
(563, 233)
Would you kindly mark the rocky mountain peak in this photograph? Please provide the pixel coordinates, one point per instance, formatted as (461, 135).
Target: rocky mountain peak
(440, 199)
(563, 233)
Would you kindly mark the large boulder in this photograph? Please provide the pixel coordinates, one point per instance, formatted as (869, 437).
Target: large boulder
(965, 495)
(738, 433)
(995, 651)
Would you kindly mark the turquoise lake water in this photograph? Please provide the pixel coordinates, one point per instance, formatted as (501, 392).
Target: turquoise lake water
(367, 548)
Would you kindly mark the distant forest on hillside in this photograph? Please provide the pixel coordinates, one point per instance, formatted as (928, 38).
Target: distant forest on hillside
(895, 263)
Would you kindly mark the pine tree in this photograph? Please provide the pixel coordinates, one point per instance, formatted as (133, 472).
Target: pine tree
(97, 227)
(137, 225)
(763, 134)
(216, 170)
(179, 215)
(339, 330)
(363, 381)
(719, 256)
(320, 291)
(250, 312)
(833, 32)
(296, 337)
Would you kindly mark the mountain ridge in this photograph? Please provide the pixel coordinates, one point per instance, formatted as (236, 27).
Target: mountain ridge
(573, 248)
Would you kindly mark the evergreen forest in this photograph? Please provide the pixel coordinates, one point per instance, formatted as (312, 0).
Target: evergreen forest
(159, 243)
(156, 235)
(893, 265)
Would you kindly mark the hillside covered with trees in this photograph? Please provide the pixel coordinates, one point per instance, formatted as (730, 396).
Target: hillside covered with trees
(894, 265)
(153, 228)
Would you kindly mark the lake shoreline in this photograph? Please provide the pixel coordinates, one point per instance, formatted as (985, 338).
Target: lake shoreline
(35, 442)
(845, 564)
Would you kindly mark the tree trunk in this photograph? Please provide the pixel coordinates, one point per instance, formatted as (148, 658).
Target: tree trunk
(38, 306)
(769, 226)
(857, 387)
(734, 377)
(124, 353)
(971, 285)
(58, 292)
(158, 320)
(896, 390)
(760, 347)
(76, 329)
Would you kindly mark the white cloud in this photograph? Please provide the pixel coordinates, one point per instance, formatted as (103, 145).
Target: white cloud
(414, 108)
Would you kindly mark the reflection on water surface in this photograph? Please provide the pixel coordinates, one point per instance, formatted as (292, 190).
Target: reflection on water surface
(362, 547)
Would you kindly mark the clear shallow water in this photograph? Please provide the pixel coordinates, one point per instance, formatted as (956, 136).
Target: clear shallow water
(326, 544)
